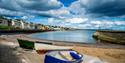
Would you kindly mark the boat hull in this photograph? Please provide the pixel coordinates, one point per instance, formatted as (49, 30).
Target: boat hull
(52, 59)
(26, 44)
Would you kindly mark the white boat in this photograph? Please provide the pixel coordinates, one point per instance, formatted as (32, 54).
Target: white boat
(42, 48)
(63, 57)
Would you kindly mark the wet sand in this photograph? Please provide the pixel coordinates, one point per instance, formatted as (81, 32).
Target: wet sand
(107, 52)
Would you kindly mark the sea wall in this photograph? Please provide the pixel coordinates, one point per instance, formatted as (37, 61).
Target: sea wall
(23, 31)
(117, 37)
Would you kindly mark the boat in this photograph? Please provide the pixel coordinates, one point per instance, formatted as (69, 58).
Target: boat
(63, 57)
(40, 46)
(26, 44)
(44, 47)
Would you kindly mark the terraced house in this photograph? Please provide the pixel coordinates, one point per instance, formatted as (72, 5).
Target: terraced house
(32, 25)
(3, 21)
(21, 24)
(18, 23)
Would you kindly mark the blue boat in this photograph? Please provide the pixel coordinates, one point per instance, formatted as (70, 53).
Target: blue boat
(63, 57)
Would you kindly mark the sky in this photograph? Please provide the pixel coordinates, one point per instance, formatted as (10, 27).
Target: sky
(82, 14)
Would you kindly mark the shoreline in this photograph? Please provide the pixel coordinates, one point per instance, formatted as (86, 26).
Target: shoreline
(67, 43)
(64, 43)
(111, 53)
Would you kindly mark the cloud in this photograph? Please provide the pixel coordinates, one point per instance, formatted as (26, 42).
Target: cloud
(101, 7)
(76, 8)
(80, 14)
(79, 8)
(76, 20)
(41, 5)
(12, 13)
(96, 24)
(86, 23)
(28, 6)
(59, 13)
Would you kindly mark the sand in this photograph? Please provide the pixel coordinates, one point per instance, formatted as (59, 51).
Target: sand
(10, 54)
(7, 55)
(106, 54)
(109, 53)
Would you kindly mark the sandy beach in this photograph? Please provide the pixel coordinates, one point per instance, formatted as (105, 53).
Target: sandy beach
(12, 53)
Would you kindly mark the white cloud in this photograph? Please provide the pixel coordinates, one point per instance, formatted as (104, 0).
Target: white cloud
(50, 20)
(77, 15)
(29, 6)
(107, 22)
(59, 12)
(12, 13)
(76, 20)
(27, 17)
(99, 7)
(77, 9)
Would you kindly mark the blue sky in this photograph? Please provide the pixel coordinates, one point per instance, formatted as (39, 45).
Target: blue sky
(67, 2)
(70, 13)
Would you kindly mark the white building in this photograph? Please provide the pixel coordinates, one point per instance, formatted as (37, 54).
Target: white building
(18, 23)
(3, 21)
(32, 25)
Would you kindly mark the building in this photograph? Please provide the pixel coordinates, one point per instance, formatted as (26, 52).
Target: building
(17, 23)
(9, 22)
(21, 24)
(26, 25)
(3, 21)
(40, 26)
(32, 25)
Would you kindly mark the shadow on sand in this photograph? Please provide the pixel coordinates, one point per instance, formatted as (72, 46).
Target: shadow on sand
(7, 55)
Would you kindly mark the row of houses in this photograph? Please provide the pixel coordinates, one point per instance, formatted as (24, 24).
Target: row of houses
(21, 24)
(59, 28)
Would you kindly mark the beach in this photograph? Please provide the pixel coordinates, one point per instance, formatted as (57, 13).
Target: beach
(10, 52)
(8, 55)
(111, 53)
